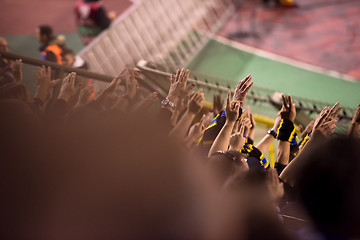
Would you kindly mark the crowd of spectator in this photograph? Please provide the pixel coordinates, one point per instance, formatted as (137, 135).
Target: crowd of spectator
(121, 165)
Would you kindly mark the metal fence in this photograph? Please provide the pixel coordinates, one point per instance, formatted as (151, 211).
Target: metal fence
(165, 32)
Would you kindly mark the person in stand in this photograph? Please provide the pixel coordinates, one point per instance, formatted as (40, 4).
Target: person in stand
(51, 46)
(91, 19)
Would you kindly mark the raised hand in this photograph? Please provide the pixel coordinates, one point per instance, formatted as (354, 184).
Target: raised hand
(45, 86)
(356, 118)
(324, 124)
(288, 110)
(231, 109)
(196, 102)
(307, 129)
(84, 96)
(276, 187)
(178, 84)
(353, 131)
(335, 110)
(132, 85)
(103, 95)
(242, 89)
(68, 89)
(237, 140)
(218, 104)
(145, 103)
(195, 132)
(246, 122)
(17, 71)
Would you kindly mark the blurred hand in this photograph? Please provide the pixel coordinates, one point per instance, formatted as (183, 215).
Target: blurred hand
(276, 187)
(196, 102)
(17, 71)
(145, 103)
(356, 118)
(84, 96)
(132, 85)
(68, 89)
(218, 104)
(45, 86)
(198, 129)
(308, 129)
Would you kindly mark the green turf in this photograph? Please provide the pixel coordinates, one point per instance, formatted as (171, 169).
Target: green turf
(223, 61)
(28, 45)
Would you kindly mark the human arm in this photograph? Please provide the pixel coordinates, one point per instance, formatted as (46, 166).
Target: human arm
(353, 131)
(221, 142)
(323, 127)
(286, 130)
(195, 132)
(195, 104)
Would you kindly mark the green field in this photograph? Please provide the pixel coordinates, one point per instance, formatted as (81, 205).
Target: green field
(223, 61)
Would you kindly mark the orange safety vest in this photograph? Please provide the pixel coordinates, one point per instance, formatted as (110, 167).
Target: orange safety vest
(54, 49)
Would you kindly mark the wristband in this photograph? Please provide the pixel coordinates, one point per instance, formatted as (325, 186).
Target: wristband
(286, 130)
(252, 151)
(294, 140)
(272, 132)
(249, 140)
(166, 101)
(305, 140)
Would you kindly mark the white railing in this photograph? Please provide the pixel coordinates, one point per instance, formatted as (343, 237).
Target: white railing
(164, 32)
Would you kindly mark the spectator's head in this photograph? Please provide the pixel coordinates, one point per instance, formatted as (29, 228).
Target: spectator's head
(68, 57)
(44, 33)
(4, 46)
(329, 187)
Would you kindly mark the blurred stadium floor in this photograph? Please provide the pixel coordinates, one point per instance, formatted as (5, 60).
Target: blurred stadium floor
(325, 33)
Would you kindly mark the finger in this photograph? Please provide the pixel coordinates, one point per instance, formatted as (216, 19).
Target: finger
(242, 130)
(181, 76)
(177, 75)
(150, 99)
(202, 120)
(228, 99)
(55, 82)
(337, 112)
(323, 116)
(290, 101)
(189, 88)
(248, 87)
(284, 100)
(237, 107)
(333, 109)
(186, 77)
(172, 78)
(48, 73)
(73, 77)
(242, 82)
(245, 84)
